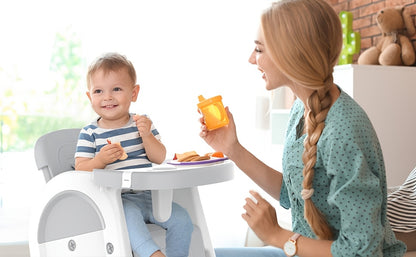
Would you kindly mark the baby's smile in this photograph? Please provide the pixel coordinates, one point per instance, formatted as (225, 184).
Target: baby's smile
(109, 106)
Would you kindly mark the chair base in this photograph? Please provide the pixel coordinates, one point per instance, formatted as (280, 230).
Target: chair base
(77, 218)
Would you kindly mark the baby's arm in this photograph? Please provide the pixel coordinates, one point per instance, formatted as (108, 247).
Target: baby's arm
(108, 154)
(155, 150)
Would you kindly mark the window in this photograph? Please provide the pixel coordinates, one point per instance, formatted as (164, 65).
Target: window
(180, 49)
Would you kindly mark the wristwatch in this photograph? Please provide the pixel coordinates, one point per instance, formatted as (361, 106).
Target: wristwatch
(290, 246)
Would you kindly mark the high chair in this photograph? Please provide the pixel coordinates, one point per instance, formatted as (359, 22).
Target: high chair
(80, 213)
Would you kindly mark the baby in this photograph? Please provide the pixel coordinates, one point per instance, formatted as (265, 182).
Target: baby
(111, 81)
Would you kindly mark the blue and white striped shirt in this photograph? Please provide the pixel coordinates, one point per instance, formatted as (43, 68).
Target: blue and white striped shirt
(92, 138)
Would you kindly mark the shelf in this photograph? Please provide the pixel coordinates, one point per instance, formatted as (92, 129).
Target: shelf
(388, 95)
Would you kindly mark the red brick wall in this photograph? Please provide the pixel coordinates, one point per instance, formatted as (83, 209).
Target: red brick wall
(364, 12)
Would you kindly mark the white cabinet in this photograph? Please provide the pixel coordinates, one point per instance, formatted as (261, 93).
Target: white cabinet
(388, 95)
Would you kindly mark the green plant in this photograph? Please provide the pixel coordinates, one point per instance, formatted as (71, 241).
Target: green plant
(25, 115)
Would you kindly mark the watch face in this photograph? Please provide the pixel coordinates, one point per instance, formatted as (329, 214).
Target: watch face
(289, 248)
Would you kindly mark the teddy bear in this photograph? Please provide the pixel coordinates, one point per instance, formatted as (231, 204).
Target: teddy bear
(394, 47)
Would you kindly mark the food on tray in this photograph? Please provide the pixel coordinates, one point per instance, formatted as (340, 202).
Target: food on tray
(216, 154)
(124, 156)
(183, 155)
(193, 156)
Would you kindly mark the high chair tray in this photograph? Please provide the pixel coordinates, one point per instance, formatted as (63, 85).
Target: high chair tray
(159, 179)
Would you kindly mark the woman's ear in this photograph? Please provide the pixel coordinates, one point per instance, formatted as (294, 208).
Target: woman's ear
(135, 93)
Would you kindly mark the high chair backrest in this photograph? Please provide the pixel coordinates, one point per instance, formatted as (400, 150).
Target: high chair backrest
(54, 152)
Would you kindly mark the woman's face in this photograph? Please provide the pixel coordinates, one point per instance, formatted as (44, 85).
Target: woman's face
(270, 72)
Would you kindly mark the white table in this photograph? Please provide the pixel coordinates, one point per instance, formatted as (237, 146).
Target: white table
(163, 179)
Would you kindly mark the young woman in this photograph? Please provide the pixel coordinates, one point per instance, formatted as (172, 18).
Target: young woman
(333, 170)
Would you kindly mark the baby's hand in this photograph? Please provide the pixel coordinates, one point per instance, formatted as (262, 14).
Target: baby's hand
(110, 153)
(143, 124)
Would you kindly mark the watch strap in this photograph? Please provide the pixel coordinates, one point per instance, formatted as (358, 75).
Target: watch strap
(294, 237)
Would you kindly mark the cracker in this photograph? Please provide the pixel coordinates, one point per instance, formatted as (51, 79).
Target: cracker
(200, 158)
(187, 158)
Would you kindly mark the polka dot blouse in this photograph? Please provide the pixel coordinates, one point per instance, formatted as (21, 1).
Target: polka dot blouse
(350, 181)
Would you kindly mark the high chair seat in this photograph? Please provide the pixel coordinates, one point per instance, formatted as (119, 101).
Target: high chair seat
(80, 213)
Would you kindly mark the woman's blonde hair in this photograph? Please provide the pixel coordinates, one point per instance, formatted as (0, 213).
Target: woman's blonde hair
(304, 40)
(111, 62)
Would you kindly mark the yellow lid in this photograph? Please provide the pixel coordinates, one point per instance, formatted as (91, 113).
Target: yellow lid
(204, 102)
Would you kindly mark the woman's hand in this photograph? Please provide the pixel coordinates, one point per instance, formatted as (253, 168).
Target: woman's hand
(223, 139)
(261, 217)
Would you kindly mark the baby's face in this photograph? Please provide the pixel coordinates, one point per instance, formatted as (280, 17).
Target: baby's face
(111, 94)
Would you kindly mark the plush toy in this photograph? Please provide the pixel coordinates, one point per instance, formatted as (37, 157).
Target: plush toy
(394, 47)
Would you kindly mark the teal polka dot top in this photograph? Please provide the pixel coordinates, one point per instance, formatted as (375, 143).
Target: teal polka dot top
(349, 182)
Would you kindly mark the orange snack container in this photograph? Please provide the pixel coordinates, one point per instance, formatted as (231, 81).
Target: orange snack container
(214, 112)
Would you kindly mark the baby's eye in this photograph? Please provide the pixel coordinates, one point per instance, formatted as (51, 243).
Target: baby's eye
(97, 91)
(117, 89)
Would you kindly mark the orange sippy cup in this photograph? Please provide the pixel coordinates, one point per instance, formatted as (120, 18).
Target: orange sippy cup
(214, 112)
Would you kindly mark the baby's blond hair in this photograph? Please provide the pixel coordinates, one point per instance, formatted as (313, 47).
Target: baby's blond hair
(111, 62)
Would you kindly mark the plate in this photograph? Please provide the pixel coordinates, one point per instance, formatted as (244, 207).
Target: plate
(213, 160)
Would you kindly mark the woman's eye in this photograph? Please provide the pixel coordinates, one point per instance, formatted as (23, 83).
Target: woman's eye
(257, 50)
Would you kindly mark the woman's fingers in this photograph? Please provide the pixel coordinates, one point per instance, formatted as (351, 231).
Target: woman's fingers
(256, 197)
(251, 205)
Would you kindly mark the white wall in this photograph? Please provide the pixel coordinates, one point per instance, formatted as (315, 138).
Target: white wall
(180, 49)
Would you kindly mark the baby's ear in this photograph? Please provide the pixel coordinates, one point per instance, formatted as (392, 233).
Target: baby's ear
(88, 94)
(135, 93)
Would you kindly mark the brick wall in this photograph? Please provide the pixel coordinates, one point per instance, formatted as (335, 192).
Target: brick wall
(364, 12)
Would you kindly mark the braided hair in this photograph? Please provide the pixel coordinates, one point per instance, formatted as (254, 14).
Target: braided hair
(304, 40)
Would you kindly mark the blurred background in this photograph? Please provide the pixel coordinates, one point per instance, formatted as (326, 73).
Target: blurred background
(180, 49)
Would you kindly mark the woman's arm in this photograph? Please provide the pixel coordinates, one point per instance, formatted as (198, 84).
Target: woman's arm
(266, 177)
(225, 140)
(262, 219)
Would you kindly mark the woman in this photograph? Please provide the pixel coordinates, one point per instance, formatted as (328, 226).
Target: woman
(333, 170)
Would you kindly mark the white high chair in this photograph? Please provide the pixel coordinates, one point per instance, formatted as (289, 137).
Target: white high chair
(80, 213)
